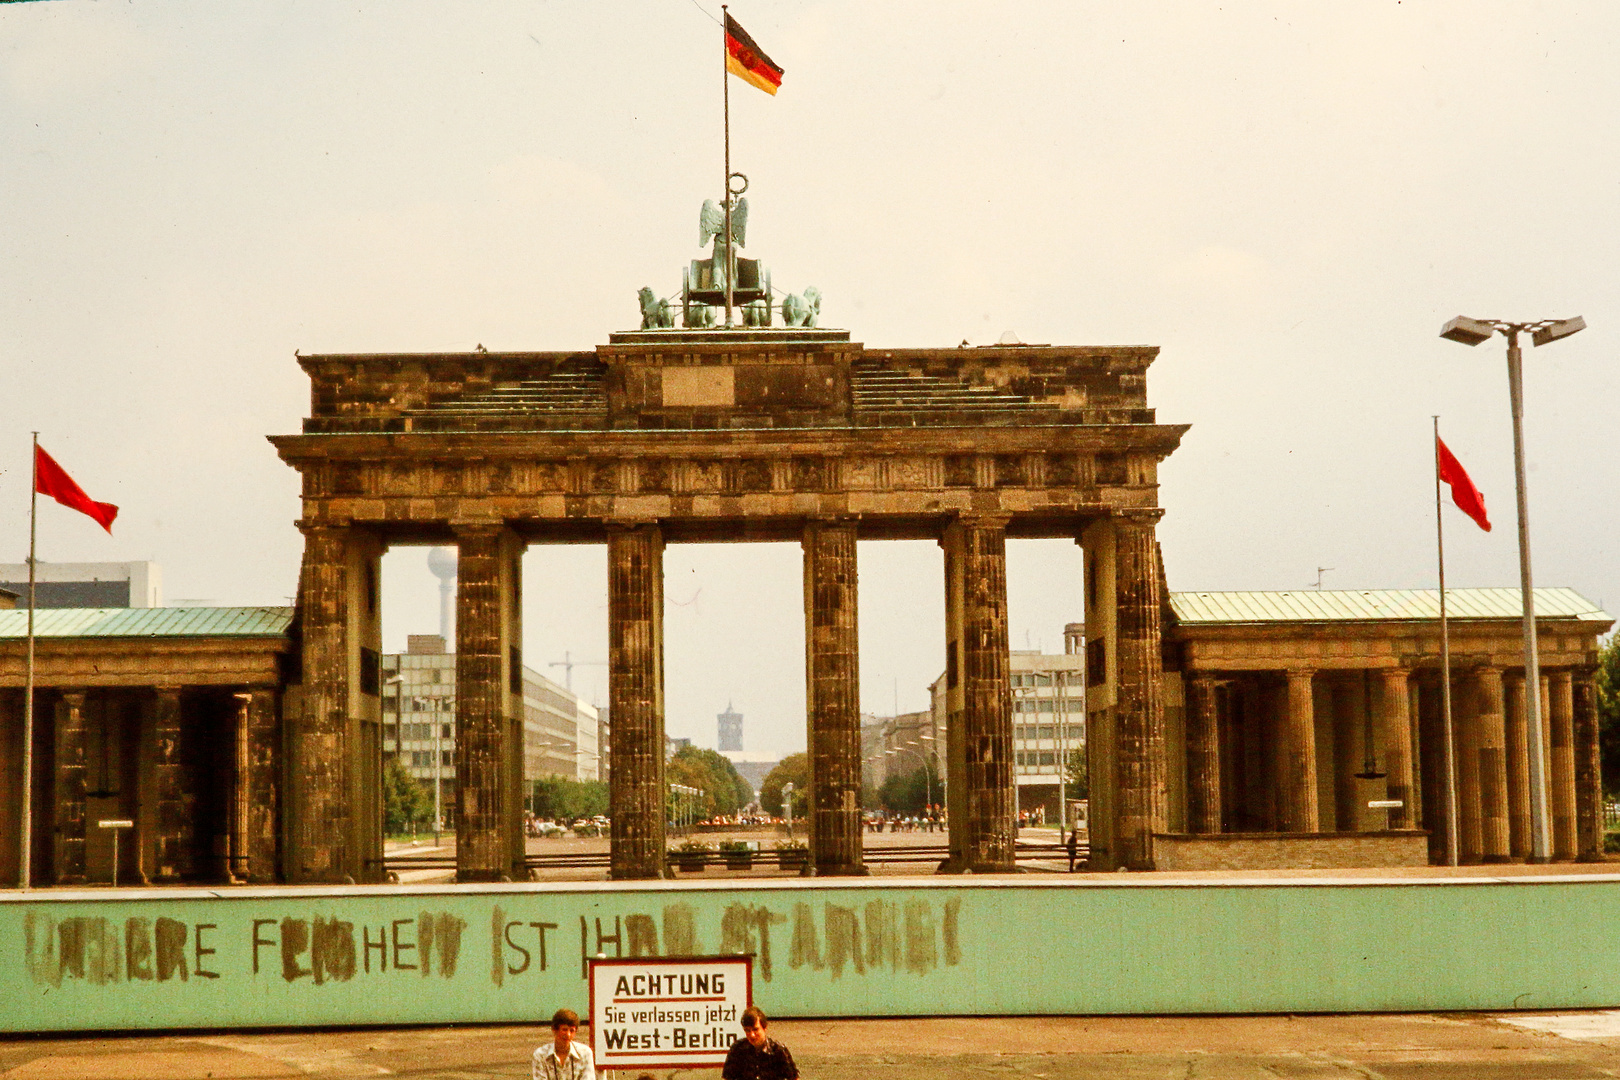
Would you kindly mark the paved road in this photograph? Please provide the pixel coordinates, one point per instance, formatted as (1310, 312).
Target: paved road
(1520, 1046)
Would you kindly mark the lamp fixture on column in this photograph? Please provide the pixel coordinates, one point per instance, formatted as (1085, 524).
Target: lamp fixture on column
(1474, 332)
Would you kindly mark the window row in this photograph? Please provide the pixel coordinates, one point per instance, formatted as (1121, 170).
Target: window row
(1076, 733)
(1046, 678)
(1071, 705)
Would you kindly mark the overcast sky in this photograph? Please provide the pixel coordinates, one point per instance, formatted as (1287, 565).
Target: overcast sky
(1289, 199)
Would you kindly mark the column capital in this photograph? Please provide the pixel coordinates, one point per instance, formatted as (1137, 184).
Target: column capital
(627, 525)
(974, 520)
(1139, 517)
(479, 528)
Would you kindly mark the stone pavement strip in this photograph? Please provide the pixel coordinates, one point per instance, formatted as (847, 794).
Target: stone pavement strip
(1418, 1046)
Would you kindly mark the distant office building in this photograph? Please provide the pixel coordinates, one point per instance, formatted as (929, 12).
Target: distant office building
(730, 730)
(1049, 720)
(560, 732)
(673, 745)
(86, 585)
(1049, 725)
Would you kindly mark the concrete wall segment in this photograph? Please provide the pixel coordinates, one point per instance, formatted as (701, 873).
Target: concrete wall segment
(258, 957)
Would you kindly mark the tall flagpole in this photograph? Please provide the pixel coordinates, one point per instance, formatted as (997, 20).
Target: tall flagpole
(725, 83)
(1445, 666)
(25, 873)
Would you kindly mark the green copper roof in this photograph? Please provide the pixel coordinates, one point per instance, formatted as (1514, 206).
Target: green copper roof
(1376, 605)
(148, 622)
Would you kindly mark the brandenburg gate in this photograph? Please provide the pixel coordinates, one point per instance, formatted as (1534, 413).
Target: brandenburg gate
(665, 436)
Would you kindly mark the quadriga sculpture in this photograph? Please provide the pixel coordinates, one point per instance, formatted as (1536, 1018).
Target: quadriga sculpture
(802, 310)
(656, 314)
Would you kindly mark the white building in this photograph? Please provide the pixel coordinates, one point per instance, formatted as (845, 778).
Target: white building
(86, 585)
(1049, 723)
(560, 732)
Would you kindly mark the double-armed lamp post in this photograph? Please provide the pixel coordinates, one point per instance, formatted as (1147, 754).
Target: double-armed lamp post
(928, 778)
(1474, 332)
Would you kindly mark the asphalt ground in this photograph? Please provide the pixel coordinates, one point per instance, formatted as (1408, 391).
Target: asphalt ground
(1416, 1046)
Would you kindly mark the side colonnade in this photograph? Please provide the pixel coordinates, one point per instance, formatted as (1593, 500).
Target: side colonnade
(333, 723)
(1305, 750)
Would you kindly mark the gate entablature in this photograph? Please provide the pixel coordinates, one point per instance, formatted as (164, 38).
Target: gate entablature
(725, 381)
(677, 435)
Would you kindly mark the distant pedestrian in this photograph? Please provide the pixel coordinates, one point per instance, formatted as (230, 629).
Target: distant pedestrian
(564, 1059)
(757, 1056)
(1074, 846)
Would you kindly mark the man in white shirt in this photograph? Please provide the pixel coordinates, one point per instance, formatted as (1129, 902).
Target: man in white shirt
(564, 1059)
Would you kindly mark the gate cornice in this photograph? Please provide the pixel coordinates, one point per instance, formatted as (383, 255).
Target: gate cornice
(718, 436)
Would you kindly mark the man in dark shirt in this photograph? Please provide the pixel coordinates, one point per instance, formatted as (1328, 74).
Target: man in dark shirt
(757, 1056)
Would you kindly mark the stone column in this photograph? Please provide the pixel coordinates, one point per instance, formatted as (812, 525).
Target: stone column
(173, 858)
(1349, 722)
(1141, 764)
(67, 797)
(1419, 752)
(1394, 702)
(1588, 772)
(1465, 737)
(976, 605)
(487, 665)
(1561, 764)
(256, 855)
(1492, 748)
(636, 699)
(1297, 810)
(1518, 765)
(1203, 756)
(329, 838)
(832, 696)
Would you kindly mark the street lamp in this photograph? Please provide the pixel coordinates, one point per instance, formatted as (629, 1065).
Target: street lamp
(928, 779)
(1474, 332)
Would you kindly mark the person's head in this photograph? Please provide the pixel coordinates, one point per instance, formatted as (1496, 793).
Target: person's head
(753, 1025)
(564, 1026)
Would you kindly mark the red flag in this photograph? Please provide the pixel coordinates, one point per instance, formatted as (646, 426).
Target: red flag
(1463, 491)
(51, 479)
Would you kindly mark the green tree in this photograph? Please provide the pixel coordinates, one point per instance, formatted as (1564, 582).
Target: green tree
(406, 800)
(724, 791)
(563, 799)
(907, 793)
(1077, 775)
(793, 769)
(1608, 707)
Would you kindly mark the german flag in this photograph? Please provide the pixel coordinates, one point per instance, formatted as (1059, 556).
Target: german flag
(748, 61)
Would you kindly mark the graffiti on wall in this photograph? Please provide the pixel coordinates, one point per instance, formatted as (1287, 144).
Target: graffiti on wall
(912, 936)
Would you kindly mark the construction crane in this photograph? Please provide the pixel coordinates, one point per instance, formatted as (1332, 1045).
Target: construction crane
(568, 664)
